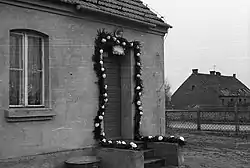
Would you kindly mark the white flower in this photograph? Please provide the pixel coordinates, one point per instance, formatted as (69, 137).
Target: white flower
(133, 145)
(105, 94)
(97, 124)
(138, 63)
(106, 87)
(138, 87)
(181, 138)
(106, 100)
(171, 136)
(114, 38)
(138, 54)
(160, 138)
(101, 62)
(108, 37)
(104, 75)
(104, 40)
(102, 69)
(104, 140)
(138, 75)
(103, 107)
(150, 136)
(138, 47)
(139, 103)
(118, 142)
(101, 117)
(110, 142)
(103, 133)
(103, 113)
(131, 44)
(140, 108)
(140, 93)
(118, 42)
(123, 142)
(124, 43)
(141, 113)
(101, 51)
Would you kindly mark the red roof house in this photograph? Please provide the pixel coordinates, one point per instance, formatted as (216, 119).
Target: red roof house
(212, 89)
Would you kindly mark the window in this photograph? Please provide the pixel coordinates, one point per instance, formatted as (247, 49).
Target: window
(27, 69)
(222, 101)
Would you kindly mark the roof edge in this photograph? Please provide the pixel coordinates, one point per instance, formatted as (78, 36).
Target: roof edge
(163, 25)
(81, 7)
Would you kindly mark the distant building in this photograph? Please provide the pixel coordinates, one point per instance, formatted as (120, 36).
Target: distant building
(210, 89)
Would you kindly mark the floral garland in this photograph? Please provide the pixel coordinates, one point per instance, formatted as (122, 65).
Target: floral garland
(105, 42)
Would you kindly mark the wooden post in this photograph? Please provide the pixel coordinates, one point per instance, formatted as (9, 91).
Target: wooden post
(198, 119)
(236, 119)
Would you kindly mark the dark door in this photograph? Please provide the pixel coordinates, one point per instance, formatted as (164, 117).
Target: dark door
(112, 118)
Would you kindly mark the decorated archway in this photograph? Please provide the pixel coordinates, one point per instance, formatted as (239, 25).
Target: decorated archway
(106, 42)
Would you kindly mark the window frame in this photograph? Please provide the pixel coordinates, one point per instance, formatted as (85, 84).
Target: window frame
(25, 34)
(37, 112)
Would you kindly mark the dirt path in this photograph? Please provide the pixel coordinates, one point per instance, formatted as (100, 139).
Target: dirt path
(209, 151)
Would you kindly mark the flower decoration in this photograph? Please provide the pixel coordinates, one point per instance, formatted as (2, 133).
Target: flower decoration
(104, 43)
(171, 139)
(104, 40)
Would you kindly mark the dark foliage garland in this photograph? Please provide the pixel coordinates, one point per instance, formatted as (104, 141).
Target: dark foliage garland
(104, 43)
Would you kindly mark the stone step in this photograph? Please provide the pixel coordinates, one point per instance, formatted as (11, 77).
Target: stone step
(83, 162)
(154, 163)
(148, 153)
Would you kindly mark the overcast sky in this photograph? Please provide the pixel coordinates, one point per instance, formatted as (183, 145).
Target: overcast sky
(205, 33)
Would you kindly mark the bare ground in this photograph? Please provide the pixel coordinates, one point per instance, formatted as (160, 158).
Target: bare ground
(204, 150)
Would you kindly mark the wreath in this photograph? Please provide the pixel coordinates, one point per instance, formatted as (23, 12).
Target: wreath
(106, 42)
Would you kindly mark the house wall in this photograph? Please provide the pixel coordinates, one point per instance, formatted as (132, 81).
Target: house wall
(74, 96)
(227, 100)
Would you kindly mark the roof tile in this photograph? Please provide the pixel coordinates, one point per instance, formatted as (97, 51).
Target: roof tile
(224, 85)
(133, 9)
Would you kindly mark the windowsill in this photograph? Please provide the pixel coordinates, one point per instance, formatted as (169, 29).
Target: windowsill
(28, 114)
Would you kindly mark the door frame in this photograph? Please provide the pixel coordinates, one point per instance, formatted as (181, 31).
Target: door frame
(127, 93)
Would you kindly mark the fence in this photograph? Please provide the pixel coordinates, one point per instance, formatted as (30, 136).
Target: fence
(225, 119)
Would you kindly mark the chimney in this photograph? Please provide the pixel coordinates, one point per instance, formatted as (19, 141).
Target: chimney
(234, 75)
(212, 72)
(195, 71)
(218, 73)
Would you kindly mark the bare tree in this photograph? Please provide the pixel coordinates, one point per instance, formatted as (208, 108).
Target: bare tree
(168, 94)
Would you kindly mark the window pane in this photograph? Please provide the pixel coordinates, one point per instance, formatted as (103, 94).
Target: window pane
(35, 88)
(35, 73)
(16, 50)
(16, 96)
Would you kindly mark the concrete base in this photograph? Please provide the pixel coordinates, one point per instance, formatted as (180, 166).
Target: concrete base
(114, 158)
(46, 160)
(171, 152)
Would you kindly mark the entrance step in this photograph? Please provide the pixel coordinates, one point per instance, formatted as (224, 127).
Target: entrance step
(83, 162)
(154, 163)
(148, 153)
